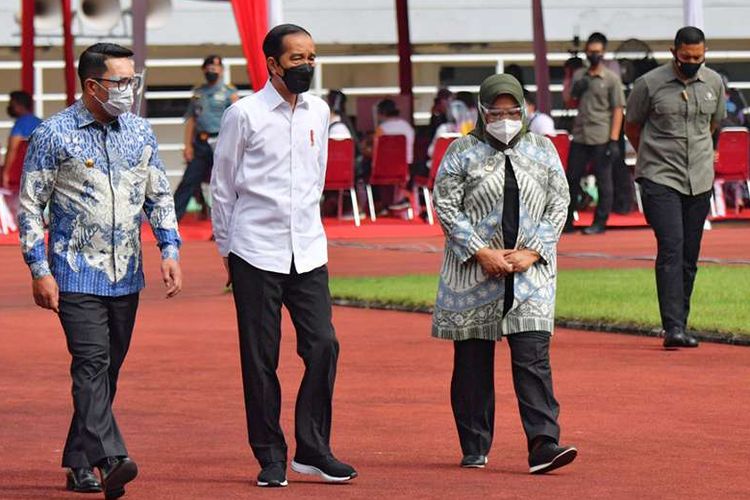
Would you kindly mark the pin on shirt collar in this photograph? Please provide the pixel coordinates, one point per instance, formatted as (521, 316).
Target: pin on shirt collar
(89, 163)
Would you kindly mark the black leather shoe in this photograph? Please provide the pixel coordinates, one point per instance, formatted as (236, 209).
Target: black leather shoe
(116, 473)
(474, 461)
(273, 475)
(677, 337)
(595, 229)
(548, 456)
(82, 480)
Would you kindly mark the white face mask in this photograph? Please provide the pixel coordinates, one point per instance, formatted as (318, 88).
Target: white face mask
(118, 102)
(504, 130)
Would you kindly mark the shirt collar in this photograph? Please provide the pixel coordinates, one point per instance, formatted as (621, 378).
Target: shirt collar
(273, 99)
(84, 118)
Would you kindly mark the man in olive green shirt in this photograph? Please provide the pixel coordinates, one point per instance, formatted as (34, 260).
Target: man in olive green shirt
(598, 95)
(671, 115)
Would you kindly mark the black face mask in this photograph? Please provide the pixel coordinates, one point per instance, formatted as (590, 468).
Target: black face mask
(594, 59)
(11, 112)
(212, 77)
(298, 78)
(688, 69)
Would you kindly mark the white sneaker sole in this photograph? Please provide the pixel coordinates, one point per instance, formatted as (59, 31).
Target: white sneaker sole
(475, 466)
(264, 484)
(314, 471)
(560, 460)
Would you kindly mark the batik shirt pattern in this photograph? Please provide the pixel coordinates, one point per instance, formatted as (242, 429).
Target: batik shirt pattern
(98, 181)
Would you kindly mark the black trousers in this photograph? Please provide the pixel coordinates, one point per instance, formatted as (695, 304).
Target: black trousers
(198, 169)
(578, 160)
(677, 221)
(622, 183)
(258, 297)
(98, 331)
(473, 389)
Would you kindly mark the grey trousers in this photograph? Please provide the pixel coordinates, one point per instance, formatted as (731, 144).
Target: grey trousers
(98, 331)
(473, 390)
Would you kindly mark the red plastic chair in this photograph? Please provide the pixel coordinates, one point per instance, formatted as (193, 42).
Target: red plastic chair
(389, 166)
(562, 144)
(733, 164)
(340, 173)
(427, 183)
(16, 170)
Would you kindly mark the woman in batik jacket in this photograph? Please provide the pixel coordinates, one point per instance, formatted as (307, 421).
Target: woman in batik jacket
(501, 198)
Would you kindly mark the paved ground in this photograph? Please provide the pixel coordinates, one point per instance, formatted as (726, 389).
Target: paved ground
(649, 423)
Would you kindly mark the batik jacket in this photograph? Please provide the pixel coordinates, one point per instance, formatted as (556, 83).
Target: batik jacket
(469, 200)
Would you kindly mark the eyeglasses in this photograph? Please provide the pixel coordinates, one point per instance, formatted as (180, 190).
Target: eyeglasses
(124, 83)
(495, 114)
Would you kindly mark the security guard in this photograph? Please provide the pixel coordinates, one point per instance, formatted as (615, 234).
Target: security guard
(202, 121)
(672, 112)
(597, 94)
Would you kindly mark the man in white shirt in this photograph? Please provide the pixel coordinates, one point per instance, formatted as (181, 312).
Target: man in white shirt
(269, 171)
(390, 123)
(539, 123)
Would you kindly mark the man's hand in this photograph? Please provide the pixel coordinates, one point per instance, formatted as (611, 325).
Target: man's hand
(522, 260)
(172, 276)
(188, 153)
(5, 178)
(579, 88)
(493, 262)
(613, 151)
(229, 274)
(46, 293)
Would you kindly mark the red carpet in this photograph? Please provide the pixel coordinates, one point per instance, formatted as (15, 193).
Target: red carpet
(648, 423)
(193, 229)
(636, 219)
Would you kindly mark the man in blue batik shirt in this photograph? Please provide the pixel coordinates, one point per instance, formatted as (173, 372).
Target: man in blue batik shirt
(97, 166)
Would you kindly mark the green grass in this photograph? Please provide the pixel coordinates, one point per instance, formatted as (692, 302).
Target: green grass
(721, 300)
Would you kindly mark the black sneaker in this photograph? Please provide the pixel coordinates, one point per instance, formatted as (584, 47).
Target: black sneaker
(400, 205)
(328, 468)
(595, 228)
(549, 456)
(273, 475)
(474, 461)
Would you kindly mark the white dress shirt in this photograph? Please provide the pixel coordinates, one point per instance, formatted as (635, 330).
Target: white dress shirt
(268, 176)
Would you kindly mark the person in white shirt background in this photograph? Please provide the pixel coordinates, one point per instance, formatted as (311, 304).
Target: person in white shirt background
(539, 123)
(269, 172)
(391, 123)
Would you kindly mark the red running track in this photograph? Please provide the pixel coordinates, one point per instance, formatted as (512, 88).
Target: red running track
(648, 423)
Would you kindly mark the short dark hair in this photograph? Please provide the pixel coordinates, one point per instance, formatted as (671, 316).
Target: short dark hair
(92, 63)
(466, 98)
(530, 98)
(22, 98)
(211, 59)
(597, 37)
(689, 35)
(337, 101)
(273, 43)
(387, 107)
